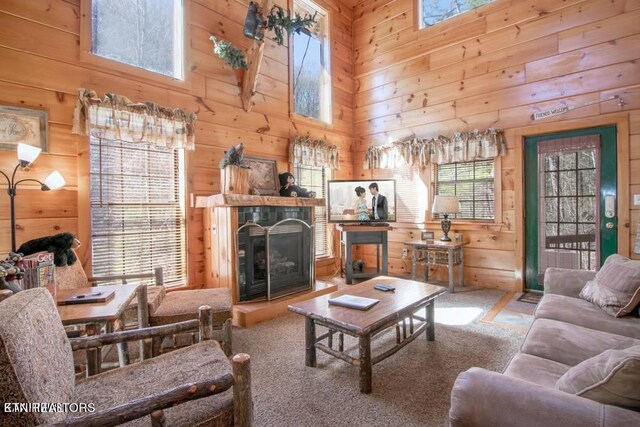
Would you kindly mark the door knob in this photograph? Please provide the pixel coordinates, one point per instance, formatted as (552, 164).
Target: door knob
(609, 225)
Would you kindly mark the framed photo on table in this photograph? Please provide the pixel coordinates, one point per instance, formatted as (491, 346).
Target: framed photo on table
(263, 175)
(23, 125)
(427, 236)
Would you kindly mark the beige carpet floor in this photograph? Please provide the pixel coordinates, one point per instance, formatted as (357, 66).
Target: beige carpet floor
(411, 388)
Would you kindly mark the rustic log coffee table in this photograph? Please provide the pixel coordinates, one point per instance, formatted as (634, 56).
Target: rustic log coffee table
(396, 308)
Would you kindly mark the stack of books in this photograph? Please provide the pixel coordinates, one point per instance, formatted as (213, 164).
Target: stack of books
(39, 271)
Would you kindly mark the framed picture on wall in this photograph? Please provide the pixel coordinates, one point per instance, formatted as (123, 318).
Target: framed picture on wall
(263, 175)
(23, 125)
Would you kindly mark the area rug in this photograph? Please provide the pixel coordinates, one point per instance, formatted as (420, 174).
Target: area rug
(514, 311)
(410, 388)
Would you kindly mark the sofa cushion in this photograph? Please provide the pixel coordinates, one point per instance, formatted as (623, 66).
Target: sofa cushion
(570, 344)
(616, 287)
(536, 369)
(583, 313)
(612, 378)
(198, 362)
(179, 306)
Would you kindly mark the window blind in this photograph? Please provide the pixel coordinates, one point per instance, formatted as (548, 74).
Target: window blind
(411, 193)
(473, 183)
(314, 178)
(137, 213)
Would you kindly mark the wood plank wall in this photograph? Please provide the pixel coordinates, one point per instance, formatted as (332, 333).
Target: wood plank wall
(494, 67)
(41, 68)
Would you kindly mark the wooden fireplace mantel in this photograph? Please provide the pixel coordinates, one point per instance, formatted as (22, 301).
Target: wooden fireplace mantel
(226, 200)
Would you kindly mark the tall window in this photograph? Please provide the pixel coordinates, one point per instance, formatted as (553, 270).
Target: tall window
(315, 178)
(311, 69)
(137, 209)
(434, 11)
(473, 183)
(143, 33)
(411, 192)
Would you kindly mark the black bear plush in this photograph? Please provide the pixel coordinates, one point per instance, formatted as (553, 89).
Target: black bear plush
(60, 244)
(288, 187)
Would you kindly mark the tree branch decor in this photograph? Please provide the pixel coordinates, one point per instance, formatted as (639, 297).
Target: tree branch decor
(226, 51)
(280, 21)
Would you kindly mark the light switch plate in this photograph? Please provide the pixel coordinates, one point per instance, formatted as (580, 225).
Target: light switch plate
(636, 199)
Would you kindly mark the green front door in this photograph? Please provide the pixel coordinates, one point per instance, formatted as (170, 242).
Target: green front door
(571, 216)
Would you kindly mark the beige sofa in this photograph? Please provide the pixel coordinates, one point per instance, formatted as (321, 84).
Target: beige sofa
(566, 331)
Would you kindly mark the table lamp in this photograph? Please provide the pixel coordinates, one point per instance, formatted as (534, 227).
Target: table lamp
(445, 205)
(27, 154)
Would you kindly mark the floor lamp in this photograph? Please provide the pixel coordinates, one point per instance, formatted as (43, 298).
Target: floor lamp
(27, 154)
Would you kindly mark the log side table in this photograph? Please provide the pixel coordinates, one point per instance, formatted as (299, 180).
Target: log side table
(94, 315)
(448, 254)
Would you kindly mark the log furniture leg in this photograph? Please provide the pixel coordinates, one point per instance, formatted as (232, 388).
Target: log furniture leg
(242, 402)
(93, 354)
(450, 263)
(365, 364)
(226, 334)
(431, 328)
(143, 320)
(310, 339)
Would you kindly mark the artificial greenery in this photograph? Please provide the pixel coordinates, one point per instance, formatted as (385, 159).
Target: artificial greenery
(280, 21)
(229, 53)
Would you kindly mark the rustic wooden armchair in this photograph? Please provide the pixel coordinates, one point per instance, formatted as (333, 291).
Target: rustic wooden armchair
(186, 387)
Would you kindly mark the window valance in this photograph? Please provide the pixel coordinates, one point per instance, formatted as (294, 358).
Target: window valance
(461, 147)
(117, 118)
(313, 152)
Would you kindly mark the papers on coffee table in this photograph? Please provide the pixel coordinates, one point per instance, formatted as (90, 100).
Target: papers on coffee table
(352, 301)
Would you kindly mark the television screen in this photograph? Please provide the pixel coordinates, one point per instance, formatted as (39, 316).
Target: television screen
(345, 206)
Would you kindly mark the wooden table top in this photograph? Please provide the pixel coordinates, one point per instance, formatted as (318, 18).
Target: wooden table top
(95, 312)
(408, 294)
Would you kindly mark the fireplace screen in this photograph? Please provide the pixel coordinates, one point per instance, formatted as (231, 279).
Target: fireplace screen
(274, 261)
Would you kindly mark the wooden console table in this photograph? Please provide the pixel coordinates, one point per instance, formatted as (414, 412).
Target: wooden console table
(364, 235)
(438, 253)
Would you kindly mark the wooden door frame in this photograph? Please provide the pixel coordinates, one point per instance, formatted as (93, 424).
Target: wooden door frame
(621, 121)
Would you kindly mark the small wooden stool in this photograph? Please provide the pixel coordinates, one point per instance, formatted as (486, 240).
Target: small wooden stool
(179, 306)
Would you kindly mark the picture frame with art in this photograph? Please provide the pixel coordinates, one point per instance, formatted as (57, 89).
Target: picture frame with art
(427, 236)
(263, 175)
(23, 125)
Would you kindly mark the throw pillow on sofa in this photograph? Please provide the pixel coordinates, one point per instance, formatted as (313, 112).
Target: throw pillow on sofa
(612, 378)
(616, 287)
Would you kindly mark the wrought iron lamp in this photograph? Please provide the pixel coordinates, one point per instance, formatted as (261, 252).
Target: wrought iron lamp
(445, 206)
(27, 154)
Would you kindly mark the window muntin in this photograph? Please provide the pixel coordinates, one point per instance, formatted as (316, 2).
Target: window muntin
(314, 178)
(473, 183)
(311, 76)
(147, 34)
(137, 209)
(434, 11)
